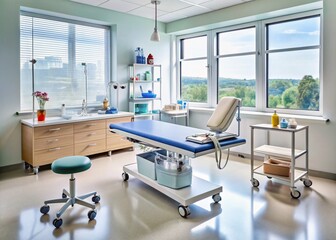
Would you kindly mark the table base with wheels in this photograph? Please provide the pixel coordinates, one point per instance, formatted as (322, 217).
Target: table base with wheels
(199, 189)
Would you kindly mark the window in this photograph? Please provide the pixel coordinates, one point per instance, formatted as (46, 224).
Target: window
(236, 61)
(72, 60)
(193, 69)
(293, 69)
(274, 63)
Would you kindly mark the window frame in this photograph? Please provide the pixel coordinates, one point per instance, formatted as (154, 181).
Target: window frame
(107, 48)
(261, 63)
(264, 51)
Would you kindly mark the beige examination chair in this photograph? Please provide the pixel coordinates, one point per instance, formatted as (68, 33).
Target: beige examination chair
(219, 122)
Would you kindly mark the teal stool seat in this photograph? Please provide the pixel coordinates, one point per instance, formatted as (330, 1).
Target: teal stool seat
(71, 164)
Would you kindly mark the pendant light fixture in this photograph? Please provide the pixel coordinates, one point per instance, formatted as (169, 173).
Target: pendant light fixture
(155, 35)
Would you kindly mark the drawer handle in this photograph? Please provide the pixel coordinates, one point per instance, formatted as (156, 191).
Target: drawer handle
(54, 129)
(92, 144)
(91, 124)
(90, 134)
(54, 149)
(54, 140)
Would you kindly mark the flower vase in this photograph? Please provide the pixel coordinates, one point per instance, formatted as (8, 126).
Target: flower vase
(41, 114)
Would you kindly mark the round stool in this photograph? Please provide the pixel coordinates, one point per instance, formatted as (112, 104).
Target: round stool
(71, 165)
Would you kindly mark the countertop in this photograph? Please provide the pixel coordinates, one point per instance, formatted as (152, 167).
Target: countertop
(73, 119)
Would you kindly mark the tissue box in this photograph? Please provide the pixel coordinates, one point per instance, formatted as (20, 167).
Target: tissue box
(276, 167)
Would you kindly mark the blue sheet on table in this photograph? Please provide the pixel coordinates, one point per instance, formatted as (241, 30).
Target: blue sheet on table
(171, 134)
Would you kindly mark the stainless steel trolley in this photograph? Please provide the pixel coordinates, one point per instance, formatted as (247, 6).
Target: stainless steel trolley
(291, 153)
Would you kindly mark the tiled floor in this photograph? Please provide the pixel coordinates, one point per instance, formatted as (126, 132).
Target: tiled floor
(133, 210)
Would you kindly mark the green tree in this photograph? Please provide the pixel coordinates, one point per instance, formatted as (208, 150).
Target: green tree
(274, 101)
(308, 93)
(195, 93)
(289, 97)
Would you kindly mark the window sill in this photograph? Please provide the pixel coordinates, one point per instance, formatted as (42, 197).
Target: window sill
(266, 114)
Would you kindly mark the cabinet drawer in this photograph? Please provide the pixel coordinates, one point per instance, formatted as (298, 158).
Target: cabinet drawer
(46, 143)
(116, 120)
(90, 135)
(89, 126)
(47, 156)
(115, 141)
(90, 147)
(53, 131)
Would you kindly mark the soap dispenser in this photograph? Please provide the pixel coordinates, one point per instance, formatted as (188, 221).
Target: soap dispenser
(275, 119)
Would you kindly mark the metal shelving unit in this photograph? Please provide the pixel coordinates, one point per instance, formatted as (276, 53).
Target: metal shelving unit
(148, 76)
(290, 153)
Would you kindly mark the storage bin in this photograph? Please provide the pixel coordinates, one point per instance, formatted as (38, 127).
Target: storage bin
(172, 178)
(276, 166)
(146, 163)
(173, 172)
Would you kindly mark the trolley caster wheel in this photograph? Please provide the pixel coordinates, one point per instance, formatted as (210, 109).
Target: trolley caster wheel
(307, 182)
(45, 209)
(64, 195)
(217, 198)
(125, 176)
(255, 182)
(184, 211)
(57, 222)
(295, 194)
(269, 177)
(92, 214)
(96, 199)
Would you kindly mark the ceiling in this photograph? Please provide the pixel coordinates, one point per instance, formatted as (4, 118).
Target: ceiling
(168, 10)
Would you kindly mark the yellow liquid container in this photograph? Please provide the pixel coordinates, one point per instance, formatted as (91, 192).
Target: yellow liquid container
(275, 119)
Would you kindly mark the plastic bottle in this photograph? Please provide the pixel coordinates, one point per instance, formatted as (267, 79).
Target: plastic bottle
(63, 110)
(137, 55)
(143, 58)
(275, 119)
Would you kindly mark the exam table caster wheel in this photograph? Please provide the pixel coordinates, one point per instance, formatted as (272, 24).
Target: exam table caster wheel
(269, 177)
(57, 222)
(45, 209)
(92, 214)
(255, 182)
(295, 194)
(217, 198)
(125, 176)
(307, 182)
(96, 199)
(184, 211)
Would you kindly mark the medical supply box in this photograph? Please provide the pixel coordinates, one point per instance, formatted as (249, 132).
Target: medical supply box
(173, 173)
(146, 163)
(276, 166)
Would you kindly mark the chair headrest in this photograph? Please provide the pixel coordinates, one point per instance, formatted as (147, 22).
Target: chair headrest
(224, 113)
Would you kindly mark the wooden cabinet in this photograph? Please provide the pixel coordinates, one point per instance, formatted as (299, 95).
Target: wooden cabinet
(42, 145)
(115, 141)
(44, 142)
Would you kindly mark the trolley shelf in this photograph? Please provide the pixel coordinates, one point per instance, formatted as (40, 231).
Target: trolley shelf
(297, 173)
(279, 151)
(199, 189)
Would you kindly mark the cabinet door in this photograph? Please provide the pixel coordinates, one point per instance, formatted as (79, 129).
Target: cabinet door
(115, 141)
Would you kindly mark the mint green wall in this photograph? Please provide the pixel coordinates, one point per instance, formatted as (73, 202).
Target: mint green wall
(130, 32)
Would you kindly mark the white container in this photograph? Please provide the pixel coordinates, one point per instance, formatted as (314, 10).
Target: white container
(173, 179)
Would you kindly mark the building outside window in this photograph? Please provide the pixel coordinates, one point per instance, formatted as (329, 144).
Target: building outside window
(67, 54)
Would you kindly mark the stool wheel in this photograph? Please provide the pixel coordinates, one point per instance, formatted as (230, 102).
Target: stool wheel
(45, 209)
(57, 222)
(92, 214)
(64, 195)
(96, 199)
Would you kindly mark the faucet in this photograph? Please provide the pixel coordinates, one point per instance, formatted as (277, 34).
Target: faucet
(84, 108)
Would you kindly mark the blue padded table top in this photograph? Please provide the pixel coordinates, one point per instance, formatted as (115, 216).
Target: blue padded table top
(170, 134)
